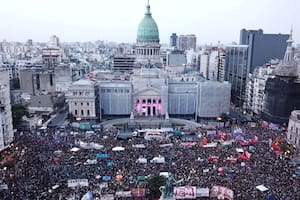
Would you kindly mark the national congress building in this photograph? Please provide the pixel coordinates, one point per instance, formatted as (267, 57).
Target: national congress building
(154, 89)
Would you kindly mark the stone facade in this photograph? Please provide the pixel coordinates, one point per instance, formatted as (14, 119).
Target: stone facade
(293, 134)
(81, 99)
(6, 127)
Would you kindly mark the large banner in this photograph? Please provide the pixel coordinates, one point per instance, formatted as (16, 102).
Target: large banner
(185, 192)
(217, 191)
(123, 194)
(78, 183)
(202, 192)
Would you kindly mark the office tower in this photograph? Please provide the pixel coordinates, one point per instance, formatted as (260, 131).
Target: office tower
(186, 42)
(173, 40)
(262, 47)
(236, 71)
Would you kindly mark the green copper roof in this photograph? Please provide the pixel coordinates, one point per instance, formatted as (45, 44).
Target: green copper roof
(148, 29)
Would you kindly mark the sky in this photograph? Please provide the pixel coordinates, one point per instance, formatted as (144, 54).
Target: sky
(117, 20)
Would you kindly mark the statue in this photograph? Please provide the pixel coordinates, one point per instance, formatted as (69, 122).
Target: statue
(168, 190)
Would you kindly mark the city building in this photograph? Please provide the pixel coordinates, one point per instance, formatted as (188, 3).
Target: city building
(147, 47)
(262, 47)
(6, 127)
(36, 81)
(176, 58)
(221, 64)
(204, 64)
(153, 92)
(63, 77)
(123, 63)
(52, 55)
(81, 98)
(255, 88)
(173, 40)
(236, 71)
(293, 133)
(187, 42)
(282, 93)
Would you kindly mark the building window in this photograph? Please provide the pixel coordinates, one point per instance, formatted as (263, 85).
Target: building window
(87, 103)
(82, 113)
(103, 90)
(154, 101)
(127, 90)
(138, 101)
(121, 90)
(149, 101)
(80, 93)
(108, 90)
(116, 91)
(159, 100)
(87, 93)
(81, 103)
(144, 100)
(75, 104)
(75, 93)
(88, 112)
(76, 112)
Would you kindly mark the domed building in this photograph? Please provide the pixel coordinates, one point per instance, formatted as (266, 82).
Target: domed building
(282, 93)
(152, 91)
(147, 47)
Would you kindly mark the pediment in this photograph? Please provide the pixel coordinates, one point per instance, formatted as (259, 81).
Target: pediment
(148, 92)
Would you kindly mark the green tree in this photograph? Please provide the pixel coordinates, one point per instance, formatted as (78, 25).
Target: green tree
(18, 111)
(71, 117)
(154, 182)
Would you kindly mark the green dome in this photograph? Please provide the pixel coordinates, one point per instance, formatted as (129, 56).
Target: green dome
(148, 29)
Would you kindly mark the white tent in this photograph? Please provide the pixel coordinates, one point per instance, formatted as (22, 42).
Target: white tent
(239, 150)
(262, 188)
(90, 145)
(142, 160)
(118, 149)
(90, 162)
(159, 159)
(139, 146)
(165, 174)
(75, 149)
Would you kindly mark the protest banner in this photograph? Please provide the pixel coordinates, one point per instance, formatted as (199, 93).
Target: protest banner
(185, 192)
(78, 183)
(217, 191)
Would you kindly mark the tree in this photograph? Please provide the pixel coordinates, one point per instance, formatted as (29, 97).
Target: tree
(18, 111)
(154, 182)
(71, 117)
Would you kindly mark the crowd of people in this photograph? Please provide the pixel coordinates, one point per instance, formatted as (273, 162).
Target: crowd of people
(39, 165)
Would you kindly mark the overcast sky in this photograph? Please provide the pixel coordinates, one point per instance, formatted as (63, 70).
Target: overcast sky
(117, 20)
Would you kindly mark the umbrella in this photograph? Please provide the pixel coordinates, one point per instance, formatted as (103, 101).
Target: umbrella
(106, 178)
(221, 169)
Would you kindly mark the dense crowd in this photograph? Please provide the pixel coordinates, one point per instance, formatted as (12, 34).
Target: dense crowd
(37, 162)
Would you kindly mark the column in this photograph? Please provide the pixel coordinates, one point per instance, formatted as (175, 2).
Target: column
(151, 109)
